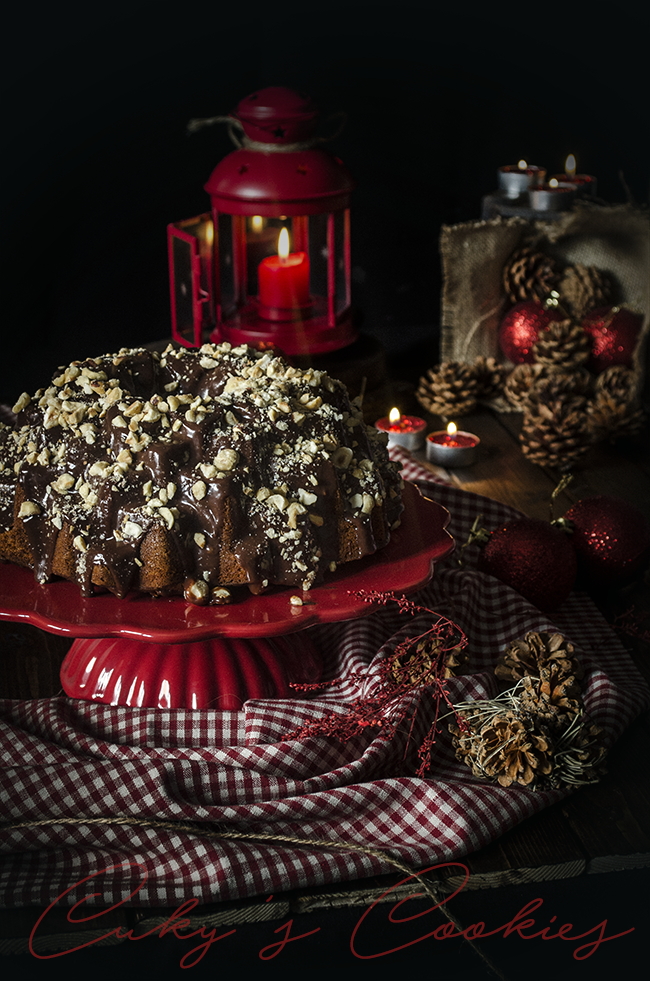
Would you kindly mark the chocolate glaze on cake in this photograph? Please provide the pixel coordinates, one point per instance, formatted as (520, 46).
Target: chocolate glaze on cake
(190, 472)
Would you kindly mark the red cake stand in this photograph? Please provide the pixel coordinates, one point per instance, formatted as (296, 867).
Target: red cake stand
(166, 653)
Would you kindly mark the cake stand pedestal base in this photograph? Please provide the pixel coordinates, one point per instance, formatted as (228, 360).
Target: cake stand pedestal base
(221, 673)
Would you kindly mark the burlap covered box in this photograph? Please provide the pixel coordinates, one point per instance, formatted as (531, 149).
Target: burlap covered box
(613, 238)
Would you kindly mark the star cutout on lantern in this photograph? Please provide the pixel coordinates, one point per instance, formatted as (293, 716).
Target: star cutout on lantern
(279, 131)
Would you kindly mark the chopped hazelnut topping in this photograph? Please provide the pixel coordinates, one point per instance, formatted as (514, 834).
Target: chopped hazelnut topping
(226, 459)
(22, 403)
(167, 517)
(199, 490)
(63, 483)
(196, 591)
(131, 529)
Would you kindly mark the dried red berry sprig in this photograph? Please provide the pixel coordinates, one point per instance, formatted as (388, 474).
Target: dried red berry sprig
(416, 664)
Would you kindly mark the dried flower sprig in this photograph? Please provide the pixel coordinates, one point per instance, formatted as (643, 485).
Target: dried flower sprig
(415, 664)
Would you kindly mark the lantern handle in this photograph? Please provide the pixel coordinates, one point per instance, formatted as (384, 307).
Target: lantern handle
(195, 125)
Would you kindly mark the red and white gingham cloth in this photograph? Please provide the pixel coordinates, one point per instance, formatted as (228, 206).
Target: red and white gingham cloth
(73, 759)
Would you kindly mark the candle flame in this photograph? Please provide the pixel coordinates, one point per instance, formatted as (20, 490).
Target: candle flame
(209, 232)
(283, 244)
(553, 182)
(451, 428)
(570, 165)
(522, 165)
(394, 415)
(257, 223)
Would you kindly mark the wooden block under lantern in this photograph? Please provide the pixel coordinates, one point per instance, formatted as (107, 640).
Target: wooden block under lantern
(615, 239)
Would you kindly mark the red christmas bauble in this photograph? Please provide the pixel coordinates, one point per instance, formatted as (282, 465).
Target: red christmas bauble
(535, 558)
(612, 541)
(520, 329)
(614, 333)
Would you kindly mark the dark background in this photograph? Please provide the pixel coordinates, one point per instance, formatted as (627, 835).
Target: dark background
(438, 96)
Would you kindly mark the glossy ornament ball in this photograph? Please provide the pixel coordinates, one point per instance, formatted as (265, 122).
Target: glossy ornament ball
(535, 558)
(520, 329)
(612, 541)
(614, 333)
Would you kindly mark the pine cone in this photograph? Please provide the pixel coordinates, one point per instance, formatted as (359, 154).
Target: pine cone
(529, 275)
(449, 389)
(619, 382)
(615, 410)
(504, 749)
(555, 383)
(520, 383)
(581, 755)
(490, 378)
(564, 344)
(524, 658)
(555, 431)
(610, 421)
(420, 666)
(554, 698)
(583, 288)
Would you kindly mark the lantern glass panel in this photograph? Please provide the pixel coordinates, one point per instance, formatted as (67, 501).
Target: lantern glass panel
(227, 292)
(190, 259)
(182, 285)
(318, 254)
(341, 263)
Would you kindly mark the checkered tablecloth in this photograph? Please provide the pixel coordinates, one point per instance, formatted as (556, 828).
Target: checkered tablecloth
(68, 759)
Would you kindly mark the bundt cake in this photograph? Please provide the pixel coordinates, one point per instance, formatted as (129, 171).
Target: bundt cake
(190, 472)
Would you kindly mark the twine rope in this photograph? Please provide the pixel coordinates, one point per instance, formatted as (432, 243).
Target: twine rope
(241, 141)
(430, 888)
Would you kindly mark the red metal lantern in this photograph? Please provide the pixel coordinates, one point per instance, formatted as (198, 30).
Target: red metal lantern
(271, 264)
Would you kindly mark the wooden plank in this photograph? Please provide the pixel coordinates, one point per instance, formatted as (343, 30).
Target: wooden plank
(612, 818)
(539, 849)
(229, 913)
(519, 876)
(57, 934)
(30, 661)
(621, 469)
(365, 891)
(501, 471)
(610, 470)
(544, 839)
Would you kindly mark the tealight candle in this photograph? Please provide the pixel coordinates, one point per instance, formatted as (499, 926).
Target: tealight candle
(553, 196)
(451, 448)
(406, 431)
(585, 184)
(515, 180)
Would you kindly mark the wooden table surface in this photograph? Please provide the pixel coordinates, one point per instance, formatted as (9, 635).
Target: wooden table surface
(603, 827)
